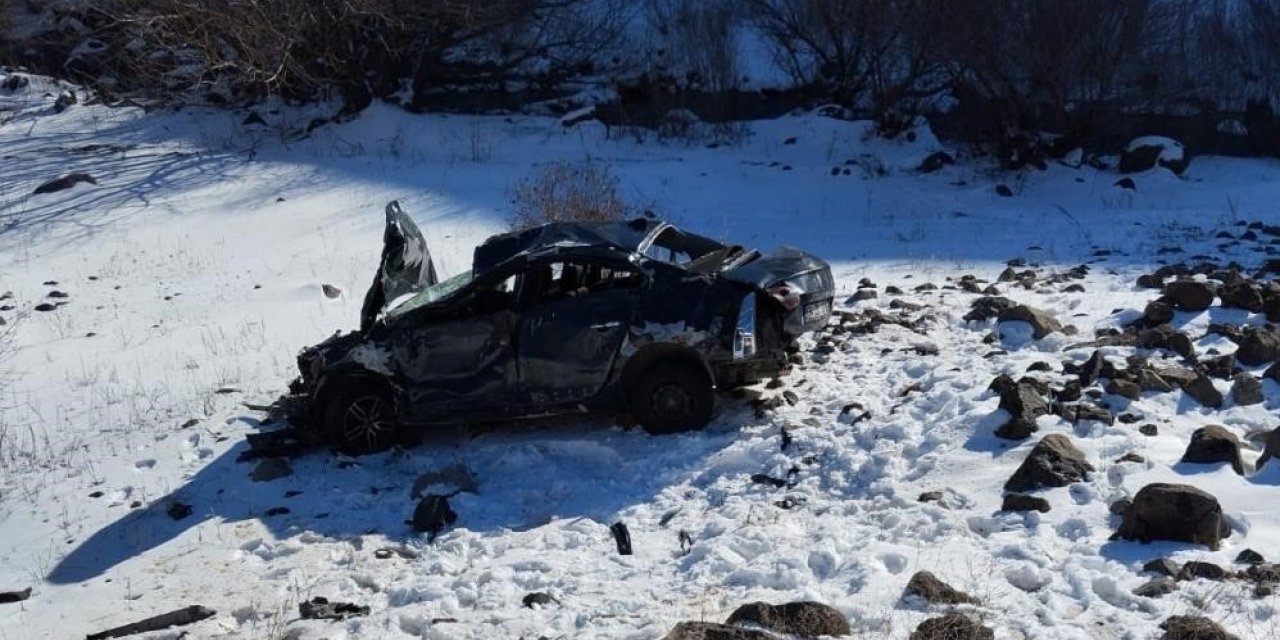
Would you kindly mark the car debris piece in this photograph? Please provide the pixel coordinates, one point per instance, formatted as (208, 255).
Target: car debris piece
(634, 318)
(319, 608)
(7, 597)
(182, 617)
(623, 537)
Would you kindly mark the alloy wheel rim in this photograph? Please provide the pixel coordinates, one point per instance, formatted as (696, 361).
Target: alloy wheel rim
(366, 421)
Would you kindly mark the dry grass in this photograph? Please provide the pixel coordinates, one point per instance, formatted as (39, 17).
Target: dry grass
(565, 191)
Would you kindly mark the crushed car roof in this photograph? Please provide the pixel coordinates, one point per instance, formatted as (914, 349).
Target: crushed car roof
(627, 236)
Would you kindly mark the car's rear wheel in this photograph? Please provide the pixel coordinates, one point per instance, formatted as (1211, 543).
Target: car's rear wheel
(361, 418)
(670, 397)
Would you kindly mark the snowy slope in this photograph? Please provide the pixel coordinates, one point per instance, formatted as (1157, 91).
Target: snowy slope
(194, 269)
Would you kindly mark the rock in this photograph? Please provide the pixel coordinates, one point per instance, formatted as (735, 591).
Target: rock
(65, 182)
(1150, 281)
(539, 598)
(1190, 295)
(271, 469)
(861, 295)
(330, 291)
(1166, 337)
(64, 101)
(46, 307)
(1258, 346)
(1174, 512)
(714, 631)
(1249, 556)
(931, 496)
(1157, 312)
(1024, 404)
(1004, 191)
(1162, 566)
(1242, 295)
(1124, 388)
(1120, 507)
(1091, 369)
(1054, 462)
(1212, 444)
(1156, 588)
(1263, 573)
(1126, 183)
(1193, 628)
(433, 514)
(953, 626)
(1149, 380)
(804, 619)
(935, 161)
(1149, 430)
(1203, 391)
(319, 608)
(178, 510)
(1270, 450)
(1206, 570)
(1041, 322)
(1024, 502)
(1246, 389)
(928, 587)
(1149, 152)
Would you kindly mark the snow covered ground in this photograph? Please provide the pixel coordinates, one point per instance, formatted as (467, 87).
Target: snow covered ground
(194, 268)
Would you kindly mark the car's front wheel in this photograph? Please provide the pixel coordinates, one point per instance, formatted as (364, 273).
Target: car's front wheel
(670, 397)
(361, 418)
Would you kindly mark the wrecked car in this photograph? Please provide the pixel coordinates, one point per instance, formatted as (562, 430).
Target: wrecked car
(635, 318)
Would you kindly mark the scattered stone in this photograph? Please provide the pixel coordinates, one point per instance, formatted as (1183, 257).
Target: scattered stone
(1156, 588)
(1024, 502)
(179, 510)
(1271, 449)
(1041, 322)
(1157, 312)
(65, 182)
(953, 626)
(330, 291)
(1246, 390)
(1162, 566)
(1004, 191)
(928, 587)
(433, 514)
(714, 631)
(1120, 507)
(1054, 462)
(1190, 295)
(1249, 556)
(271, 469)
(46, 306)
(1193, 628)
(804, 619)
(861, 295)
(1023, 402)
(1149, 430)
(1206, 570)
(1174, 512)
(1124, 388)
(1212, 444)
(622, 537)
(935, 161)
(1127, 183)
(1203, 391)
(1149, 152)
(539, 598)
(1258, 346)
(1131, 457)
(319, 608)
(931, 496)
(1242, 295)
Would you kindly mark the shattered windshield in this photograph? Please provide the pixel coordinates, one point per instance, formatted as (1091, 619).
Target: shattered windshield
(433, 293)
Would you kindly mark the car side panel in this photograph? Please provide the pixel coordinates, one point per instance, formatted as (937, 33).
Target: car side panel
(452, 366)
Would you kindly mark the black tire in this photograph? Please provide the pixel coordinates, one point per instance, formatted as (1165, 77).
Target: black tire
(669, 397)
(360, 418)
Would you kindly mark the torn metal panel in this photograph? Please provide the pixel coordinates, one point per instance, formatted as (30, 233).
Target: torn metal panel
(406, 266)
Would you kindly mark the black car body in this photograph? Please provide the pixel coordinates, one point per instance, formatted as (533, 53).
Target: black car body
(631, 317)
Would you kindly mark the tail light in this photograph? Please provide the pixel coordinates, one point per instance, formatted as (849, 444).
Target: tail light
(789, 297)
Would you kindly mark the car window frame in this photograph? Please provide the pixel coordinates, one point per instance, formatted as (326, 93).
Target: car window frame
(609, 263)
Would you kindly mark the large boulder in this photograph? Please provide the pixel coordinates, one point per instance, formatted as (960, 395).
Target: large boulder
(1054, 462)
(804, 619)
(1202, 390)
(1193, 628)
(1024, 403)
(1150, 152)
(953, 626)
(1190, 295)
(1042, 324)
(1174, 512)
(1214, 444)
(928, 587)
(1258, 346)
(1242, 295)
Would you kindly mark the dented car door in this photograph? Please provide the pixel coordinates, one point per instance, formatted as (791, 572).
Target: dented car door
(575, 316)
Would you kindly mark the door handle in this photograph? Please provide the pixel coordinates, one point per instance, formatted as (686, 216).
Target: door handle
(606, 325)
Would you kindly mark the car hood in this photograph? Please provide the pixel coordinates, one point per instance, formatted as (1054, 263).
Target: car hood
(405, 268)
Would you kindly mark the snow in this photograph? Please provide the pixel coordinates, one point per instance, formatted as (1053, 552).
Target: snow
(196, 265)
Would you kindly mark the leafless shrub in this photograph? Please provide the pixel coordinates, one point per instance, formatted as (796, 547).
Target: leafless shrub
(697, 41)
(569, 191)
